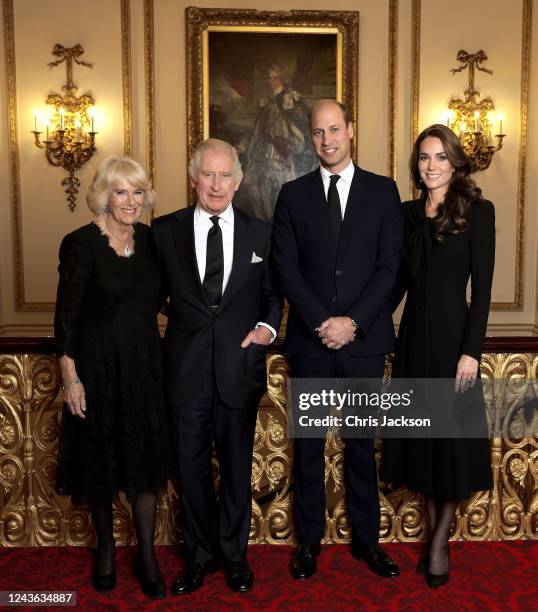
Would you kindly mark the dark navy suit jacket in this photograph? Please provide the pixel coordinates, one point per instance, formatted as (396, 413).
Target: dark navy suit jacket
(355, 279)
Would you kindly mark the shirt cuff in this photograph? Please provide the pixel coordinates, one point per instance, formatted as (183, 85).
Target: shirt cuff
(271, 329)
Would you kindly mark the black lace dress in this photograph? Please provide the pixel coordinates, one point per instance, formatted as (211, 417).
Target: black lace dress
(106, 320)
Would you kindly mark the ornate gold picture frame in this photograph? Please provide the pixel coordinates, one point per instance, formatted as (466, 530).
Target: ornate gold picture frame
(252, 77)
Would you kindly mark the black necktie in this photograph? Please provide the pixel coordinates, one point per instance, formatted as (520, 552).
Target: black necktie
(335, 211)
(214, 264)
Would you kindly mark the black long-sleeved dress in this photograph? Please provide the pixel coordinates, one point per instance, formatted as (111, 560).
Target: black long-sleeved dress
(438, 327)
(106, 320)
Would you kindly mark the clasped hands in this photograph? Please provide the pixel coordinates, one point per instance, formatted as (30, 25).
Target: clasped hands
(336, 332)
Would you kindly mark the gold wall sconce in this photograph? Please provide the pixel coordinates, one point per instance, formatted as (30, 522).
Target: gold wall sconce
(471, 118)
(70, 124)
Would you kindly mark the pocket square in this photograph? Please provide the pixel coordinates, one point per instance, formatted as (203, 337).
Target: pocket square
(255, 258)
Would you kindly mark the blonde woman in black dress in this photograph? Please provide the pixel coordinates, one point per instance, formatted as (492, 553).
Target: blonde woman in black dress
(114, 433)
(449, 238)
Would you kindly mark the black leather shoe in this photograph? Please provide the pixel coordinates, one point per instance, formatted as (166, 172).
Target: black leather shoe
(154, 589)
(303, 564)
(104, 583)
(191, 579)
(377, 560)
(239, 576)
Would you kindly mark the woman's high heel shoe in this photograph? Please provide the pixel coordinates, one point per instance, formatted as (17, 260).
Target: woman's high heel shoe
(103, 583)
(437, 580)
(154, 589)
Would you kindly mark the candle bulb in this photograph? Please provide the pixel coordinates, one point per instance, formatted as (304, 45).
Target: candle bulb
(500, 124)
(92, 119)
(62, 112)
(77, 125)
(35, 121)
(476, 121)
(47, 131)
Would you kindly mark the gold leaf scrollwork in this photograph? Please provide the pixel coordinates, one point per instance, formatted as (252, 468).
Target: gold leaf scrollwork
(518, 469)
(7, 432)
(78, 526)
(338, 529)
(32, 514)
(121, 520)
(8, 476)
(277, 520)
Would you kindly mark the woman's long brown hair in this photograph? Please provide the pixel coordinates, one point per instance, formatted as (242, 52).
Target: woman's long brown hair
(462, 189)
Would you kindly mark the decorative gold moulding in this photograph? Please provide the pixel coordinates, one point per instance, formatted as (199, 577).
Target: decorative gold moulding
(470, 117)
(31, 514)
(70, 135)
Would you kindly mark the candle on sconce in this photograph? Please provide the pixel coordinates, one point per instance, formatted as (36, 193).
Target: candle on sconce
(448, 117)
(77, 125)
(36, 113)
(47, 131)
(92, 119)
(500, 124)
(62, 113)
(476, 121)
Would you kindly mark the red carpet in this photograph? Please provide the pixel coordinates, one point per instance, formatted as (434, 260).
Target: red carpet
(486, 576)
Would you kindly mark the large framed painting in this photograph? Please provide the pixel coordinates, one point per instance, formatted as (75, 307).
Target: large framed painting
(252, 77)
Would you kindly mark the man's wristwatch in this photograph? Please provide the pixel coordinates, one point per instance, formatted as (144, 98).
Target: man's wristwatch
(354, 324)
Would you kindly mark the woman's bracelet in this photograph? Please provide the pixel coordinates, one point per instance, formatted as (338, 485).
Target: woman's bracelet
(70, 383)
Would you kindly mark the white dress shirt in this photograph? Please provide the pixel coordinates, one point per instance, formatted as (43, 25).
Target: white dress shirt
(202, 225)
(343, 185)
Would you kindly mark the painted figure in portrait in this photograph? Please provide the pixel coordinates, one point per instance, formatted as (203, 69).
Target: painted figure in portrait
(261, 88)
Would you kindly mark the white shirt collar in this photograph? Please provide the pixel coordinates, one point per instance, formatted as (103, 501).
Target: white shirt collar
(346, 175)
(201, 215)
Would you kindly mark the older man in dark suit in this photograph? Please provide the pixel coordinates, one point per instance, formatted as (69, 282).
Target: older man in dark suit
(337, 233)
(223, 313)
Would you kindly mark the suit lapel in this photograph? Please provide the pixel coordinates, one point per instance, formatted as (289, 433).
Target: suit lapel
(352, 216)
(242, 255)
(320, 209)
(184, 237)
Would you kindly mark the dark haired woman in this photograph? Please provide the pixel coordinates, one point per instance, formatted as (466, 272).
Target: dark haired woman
(449, 237)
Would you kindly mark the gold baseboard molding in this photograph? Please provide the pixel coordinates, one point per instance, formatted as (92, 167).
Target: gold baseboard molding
(28, 330)
(505, 329)
(512, 329)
